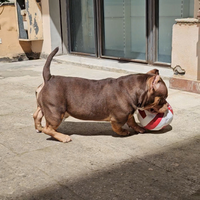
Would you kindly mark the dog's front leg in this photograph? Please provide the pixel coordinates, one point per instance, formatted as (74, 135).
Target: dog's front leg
(131, 123)
(117, 128)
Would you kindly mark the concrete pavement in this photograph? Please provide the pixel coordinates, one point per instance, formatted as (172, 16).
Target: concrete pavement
(97, 164)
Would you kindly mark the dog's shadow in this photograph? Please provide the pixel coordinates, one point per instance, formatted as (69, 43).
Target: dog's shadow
(99, 128)
(86, 128)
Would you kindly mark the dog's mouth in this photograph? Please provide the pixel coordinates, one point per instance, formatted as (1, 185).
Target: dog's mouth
(156, 108)
(151, 110)
(159, 109)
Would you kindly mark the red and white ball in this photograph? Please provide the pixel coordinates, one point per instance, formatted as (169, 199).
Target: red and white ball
(155, 121)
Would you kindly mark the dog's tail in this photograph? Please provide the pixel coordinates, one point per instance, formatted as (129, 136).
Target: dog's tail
(46, 69)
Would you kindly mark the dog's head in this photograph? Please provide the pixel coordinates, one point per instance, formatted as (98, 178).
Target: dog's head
(154, 97)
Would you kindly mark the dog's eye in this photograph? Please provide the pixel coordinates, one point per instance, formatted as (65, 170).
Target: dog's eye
(152, 110)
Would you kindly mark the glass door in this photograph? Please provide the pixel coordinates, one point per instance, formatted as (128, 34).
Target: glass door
(124, 29)
(133, 30)
(82, 37)
(167, 12)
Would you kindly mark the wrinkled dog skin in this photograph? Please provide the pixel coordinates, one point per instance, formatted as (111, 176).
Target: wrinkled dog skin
(109, 99)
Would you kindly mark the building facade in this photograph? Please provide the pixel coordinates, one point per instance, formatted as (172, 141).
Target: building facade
(161, 33)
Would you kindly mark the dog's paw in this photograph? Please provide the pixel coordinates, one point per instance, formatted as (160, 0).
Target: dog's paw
(124, 132)
(139, 129)
(38, 128)
(66, 139)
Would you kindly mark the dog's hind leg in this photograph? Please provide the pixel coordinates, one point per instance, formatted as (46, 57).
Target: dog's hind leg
(38, 119)
(53, 120)
(51, 130)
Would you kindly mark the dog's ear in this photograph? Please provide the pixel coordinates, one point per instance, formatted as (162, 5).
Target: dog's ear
(153, 83)
(154, 71)
(156, 81)
(158, 86)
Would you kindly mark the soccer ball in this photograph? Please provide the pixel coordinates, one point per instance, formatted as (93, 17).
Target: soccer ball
(155, 121)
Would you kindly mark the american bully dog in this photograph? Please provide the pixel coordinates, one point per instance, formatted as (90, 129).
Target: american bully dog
(109, 99)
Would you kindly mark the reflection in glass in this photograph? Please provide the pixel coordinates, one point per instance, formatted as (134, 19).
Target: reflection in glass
(82, 26)
(169, 10)
(125, 29)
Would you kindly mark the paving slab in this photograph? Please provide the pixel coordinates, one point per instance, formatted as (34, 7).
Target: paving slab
(97, 164)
